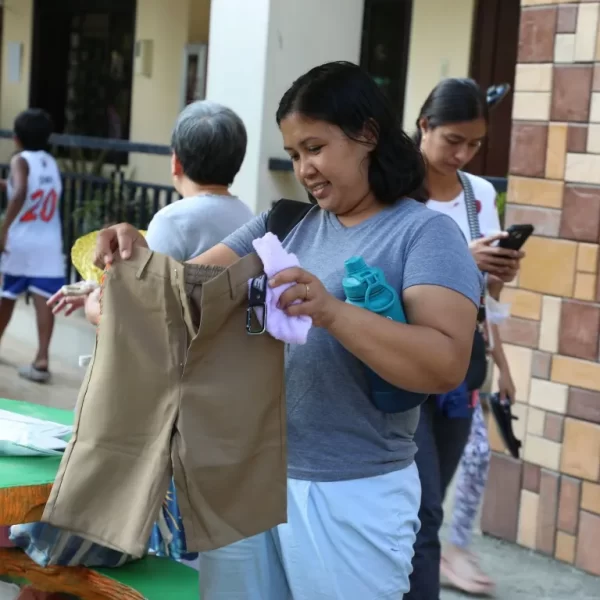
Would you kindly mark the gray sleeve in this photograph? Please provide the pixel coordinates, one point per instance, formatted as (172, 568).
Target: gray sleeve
(438, 255)
(240, 241)
(164, 236)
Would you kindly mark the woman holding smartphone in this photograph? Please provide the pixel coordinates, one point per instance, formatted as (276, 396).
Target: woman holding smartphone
(451, 127)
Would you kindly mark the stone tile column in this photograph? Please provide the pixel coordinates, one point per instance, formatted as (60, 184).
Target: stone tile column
(550, 500)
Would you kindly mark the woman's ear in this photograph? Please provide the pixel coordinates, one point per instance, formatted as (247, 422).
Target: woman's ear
(176, 168)
(423, 125)
(370, 133)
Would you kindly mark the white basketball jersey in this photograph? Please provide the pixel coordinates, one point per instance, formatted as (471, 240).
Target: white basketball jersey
(35, 247)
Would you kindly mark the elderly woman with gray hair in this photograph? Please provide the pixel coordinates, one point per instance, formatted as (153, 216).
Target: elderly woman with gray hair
(209, 145)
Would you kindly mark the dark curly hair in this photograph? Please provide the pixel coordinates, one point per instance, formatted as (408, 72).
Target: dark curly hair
(343, 94)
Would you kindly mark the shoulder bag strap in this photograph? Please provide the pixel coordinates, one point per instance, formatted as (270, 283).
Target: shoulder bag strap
(471, 205)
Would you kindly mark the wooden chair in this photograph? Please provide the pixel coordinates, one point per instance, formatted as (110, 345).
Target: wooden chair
(25, 485)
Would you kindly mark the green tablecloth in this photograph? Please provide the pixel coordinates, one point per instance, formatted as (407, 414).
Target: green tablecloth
(158, 579)
(31, 470)
(154, 578)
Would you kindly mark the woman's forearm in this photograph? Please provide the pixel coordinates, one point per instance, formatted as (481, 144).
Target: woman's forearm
(498, 350)
(412, 357)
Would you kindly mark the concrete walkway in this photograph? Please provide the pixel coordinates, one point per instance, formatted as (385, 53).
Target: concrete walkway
(520, 574)
(73, 337)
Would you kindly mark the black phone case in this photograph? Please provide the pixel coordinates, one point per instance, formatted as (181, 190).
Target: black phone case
(516, 238)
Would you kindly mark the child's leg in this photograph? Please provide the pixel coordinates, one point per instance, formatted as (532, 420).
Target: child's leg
(42, 288)
(12, 287)
(45, 324)
(7, 306)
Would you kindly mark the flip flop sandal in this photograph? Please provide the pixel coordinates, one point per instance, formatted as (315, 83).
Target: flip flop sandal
(504, 419)
(463, 582)
(31, 373)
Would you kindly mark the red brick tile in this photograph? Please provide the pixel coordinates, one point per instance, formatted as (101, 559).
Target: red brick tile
(547, 512)
(528, 149)
(568, 504)
(500, 514)
(536, 36)
(581, 213)
(545, 220)
(571, 93)
(596, 78)
(553, 427)
(579, 330)
(531, 477)
(584, 405)
(577, 137)
(521, 332)
(567, 19)
(588, 543)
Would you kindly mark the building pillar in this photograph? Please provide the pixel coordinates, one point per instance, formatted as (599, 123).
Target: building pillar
(256, 51)
(550, 501)
(17, 27)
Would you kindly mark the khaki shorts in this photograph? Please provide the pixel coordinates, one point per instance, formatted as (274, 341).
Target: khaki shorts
(176, 386)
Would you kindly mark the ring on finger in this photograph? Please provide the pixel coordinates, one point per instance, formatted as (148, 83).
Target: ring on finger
(306, 291)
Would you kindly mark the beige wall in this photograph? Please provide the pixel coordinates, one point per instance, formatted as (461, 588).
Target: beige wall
(257, 49)
(170, 24)
(199, 21)
(440, 46)
(14, 97)
(335, 29)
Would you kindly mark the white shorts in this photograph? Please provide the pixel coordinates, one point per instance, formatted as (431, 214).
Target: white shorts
(344, 540)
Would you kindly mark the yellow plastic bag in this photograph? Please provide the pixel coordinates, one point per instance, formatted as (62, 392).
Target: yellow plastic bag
(82, 257)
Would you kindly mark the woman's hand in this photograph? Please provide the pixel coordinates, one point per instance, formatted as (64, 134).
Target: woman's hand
(506, 386)
(92, 307)
(118, 238)
(70, 298)
(315, 301)
(501, 262)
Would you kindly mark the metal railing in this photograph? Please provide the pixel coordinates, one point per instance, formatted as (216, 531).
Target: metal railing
(98, 189)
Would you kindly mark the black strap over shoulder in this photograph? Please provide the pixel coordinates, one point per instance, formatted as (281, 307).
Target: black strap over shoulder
(285, 215)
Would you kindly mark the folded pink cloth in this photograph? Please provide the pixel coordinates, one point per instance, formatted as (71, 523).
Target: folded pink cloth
(292, 330)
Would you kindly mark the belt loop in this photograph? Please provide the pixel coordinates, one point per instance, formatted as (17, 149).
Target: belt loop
(140, 272)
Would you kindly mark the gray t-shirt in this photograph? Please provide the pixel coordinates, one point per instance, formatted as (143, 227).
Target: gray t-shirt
(193, 225)
(334, 430)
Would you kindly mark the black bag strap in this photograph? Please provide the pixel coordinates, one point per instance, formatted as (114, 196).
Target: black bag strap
(285, 215)
(475, 230)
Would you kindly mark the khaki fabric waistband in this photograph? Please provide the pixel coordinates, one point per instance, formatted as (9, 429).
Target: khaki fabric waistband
(202, 288)
(216, 281)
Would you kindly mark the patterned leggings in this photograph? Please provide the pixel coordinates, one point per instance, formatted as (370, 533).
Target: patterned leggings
(472, 477)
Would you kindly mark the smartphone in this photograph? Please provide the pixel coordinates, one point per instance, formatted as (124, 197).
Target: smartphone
(517, 236)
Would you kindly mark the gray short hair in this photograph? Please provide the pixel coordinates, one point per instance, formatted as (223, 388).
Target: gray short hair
(209, 141)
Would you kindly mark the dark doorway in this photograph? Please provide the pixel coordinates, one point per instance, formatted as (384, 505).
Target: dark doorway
(82, 65)
(493, 61)
(384, 49)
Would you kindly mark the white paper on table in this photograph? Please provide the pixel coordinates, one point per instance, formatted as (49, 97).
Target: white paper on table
(27, 436)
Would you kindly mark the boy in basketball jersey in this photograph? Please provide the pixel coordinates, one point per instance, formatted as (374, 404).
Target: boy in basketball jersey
(31, 233)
